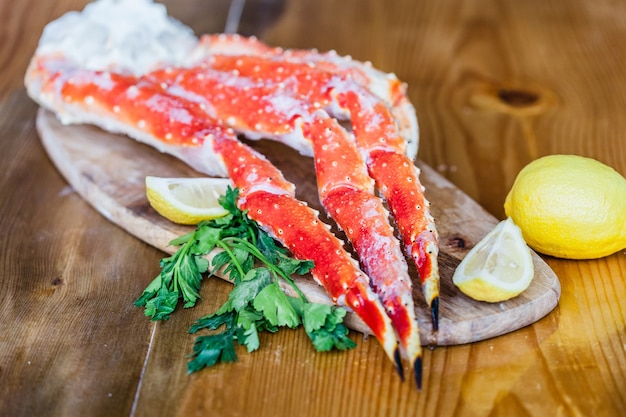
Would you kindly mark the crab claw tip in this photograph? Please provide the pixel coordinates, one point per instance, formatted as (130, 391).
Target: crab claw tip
(398, 362)
(417, 370)
(434, 313)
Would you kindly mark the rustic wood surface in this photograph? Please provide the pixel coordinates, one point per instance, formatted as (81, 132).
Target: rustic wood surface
(495, 86)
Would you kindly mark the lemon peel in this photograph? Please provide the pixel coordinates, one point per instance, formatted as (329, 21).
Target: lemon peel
(498, 268)
(187, 200)
(570, 206)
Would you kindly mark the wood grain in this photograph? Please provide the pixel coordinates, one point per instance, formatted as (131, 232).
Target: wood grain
(109, 172)
(494, 84)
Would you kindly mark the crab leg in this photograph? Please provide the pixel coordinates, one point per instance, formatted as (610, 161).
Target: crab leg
(377, 137)
(383, 85)
(141, 109)
(346, 190)
(307, 238)
(398, 179)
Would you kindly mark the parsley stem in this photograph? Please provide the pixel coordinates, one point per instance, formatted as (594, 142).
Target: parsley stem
(177, 275)
(252, 235)
(232, 256)
(275, 269)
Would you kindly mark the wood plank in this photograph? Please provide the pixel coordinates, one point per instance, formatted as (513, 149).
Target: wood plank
(109, 170)
(71, 341)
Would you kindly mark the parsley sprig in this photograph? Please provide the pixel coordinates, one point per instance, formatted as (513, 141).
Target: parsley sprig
(255, 263)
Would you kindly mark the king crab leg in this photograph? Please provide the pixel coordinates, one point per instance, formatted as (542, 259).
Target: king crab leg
(398, 179)
(140, 109)
(377, 136)
(345, 188)
(307, 238)
(346, 192)
(383, 85)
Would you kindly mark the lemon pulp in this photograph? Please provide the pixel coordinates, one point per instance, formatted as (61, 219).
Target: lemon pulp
(187, 200)
(498, 268)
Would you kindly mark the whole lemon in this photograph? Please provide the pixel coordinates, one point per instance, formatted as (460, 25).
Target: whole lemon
(569, 207)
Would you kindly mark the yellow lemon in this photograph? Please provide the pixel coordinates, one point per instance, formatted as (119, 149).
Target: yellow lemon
(187, 200)
(570, 207)
(498, 268)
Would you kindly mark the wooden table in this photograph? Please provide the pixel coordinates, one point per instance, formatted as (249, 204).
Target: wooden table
(495, 85)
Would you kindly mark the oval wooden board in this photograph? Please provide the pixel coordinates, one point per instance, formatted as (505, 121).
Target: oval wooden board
(108, 171)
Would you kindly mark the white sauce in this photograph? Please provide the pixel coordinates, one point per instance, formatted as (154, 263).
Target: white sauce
(131, 36)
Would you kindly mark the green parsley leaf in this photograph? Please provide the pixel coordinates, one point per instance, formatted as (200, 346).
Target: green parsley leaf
(291, 266)
(249, 337)
(247, 290)
(315, 316)
(180, 274)
(214, 322)
(324, 325)
(206, 237)
(162, 305)
(249, 323)
(181, 240)
(276, 308)
(269, 248)
(188, 278)
(211, 349)
(202, 264)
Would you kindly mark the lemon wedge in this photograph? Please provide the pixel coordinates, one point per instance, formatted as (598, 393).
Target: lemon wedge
(498, 268)
(187, 200)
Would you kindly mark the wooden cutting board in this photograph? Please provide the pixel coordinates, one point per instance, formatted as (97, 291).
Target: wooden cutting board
(108, 171)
